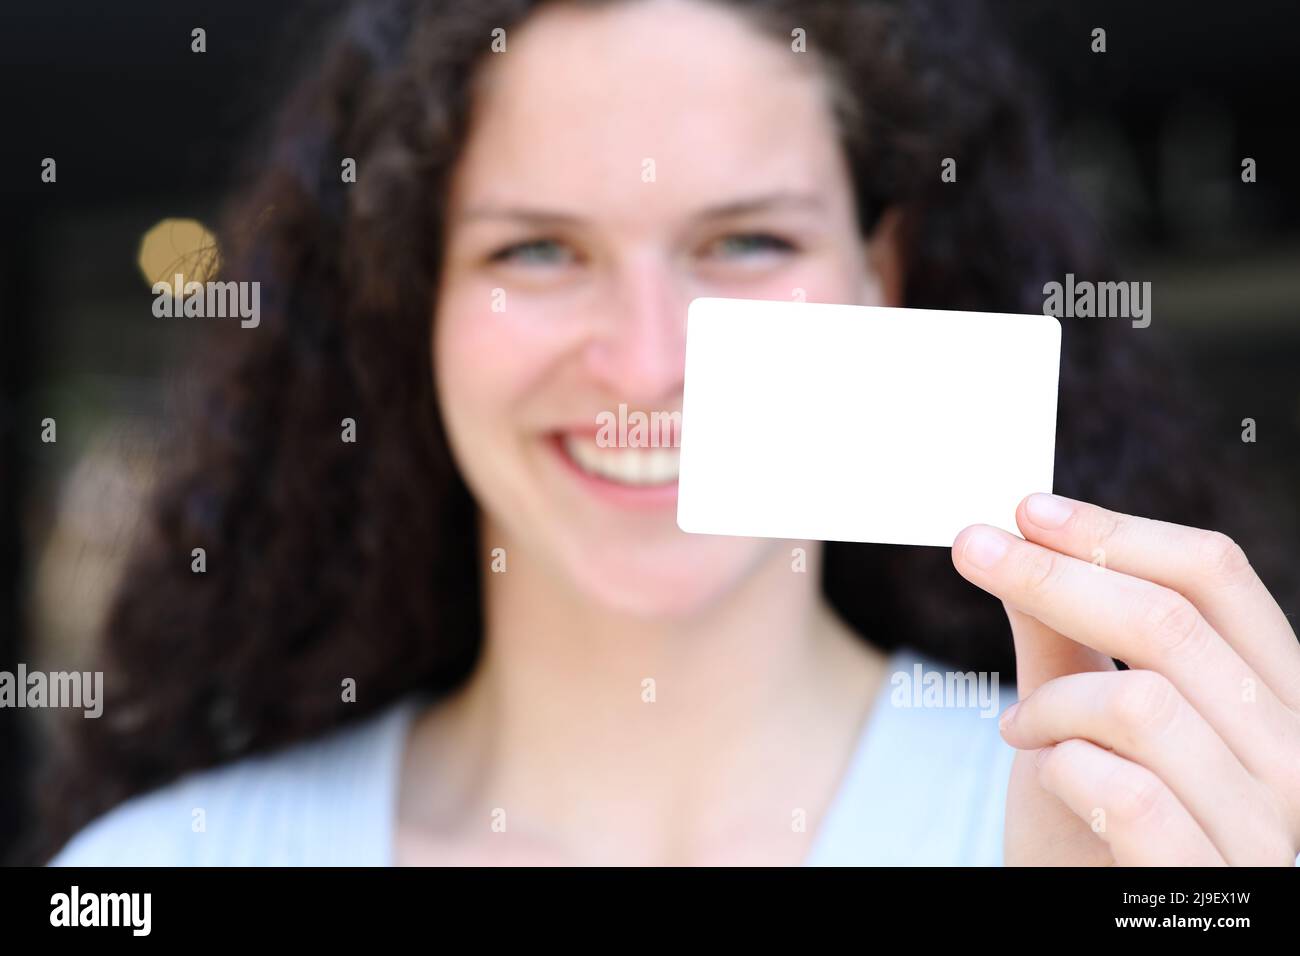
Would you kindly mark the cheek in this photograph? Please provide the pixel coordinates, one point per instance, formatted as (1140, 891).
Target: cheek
(485, 360)
(828, 278)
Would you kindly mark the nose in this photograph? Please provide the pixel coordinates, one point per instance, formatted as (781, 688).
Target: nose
(639, 352)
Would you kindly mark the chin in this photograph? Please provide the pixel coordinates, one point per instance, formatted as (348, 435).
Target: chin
(680, 580)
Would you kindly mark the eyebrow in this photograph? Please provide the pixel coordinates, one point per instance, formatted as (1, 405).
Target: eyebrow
(729, 209)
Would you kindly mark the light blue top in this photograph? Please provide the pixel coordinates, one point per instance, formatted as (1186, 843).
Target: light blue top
(926, 785)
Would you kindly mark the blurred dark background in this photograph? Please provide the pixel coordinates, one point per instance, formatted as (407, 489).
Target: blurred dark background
(143, 130)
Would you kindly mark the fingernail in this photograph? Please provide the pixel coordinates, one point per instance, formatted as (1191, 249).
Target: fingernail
(984, 548)
(1042, 755)
(1008, 715)
(1048, 511)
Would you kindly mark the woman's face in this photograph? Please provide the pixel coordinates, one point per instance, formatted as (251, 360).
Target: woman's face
(622, 161)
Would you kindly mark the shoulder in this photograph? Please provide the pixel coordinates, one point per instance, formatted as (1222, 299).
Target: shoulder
(327, 801)
(928, 784)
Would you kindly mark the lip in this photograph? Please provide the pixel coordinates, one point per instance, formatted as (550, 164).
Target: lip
(627, 497)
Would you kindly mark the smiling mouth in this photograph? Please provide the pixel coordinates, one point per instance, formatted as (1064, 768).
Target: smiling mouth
(632, 467)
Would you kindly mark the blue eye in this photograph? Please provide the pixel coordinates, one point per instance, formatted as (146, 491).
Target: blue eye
(749, 243)
(541, 252)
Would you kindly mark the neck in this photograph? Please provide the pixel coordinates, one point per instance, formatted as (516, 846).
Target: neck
(577, 710)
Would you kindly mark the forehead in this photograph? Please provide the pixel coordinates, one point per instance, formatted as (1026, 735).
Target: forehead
(583, 96)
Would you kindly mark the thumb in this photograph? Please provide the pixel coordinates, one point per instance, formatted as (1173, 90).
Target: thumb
(1040, 829)
(1043, 654)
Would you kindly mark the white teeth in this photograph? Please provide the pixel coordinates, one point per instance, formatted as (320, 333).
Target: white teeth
(627, 466)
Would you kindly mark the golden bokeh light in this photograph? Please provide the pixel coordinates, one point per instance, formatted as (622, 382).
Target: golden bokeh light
(183, 246)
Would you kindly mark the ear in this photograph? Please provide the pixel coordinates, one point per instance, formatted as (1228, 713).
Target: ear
(885, 257)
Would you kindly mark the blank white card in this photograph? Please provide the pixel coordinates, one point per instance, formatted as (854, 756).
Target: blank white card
(862, 423)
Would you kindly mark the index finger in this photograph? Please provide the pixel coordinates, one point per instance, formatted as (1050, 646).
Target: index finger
(1141, 623)
(1206, 567)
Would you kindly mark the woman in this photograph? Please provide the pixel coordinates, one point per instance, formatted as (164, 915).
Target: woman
(469, 636)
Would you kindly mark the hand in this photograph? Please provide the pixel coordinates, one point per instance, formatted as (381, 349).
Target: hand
(1191, 757)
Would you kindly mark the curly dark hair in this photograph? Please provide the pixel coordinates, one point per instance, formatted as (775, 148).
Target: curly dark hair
(328, 560)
